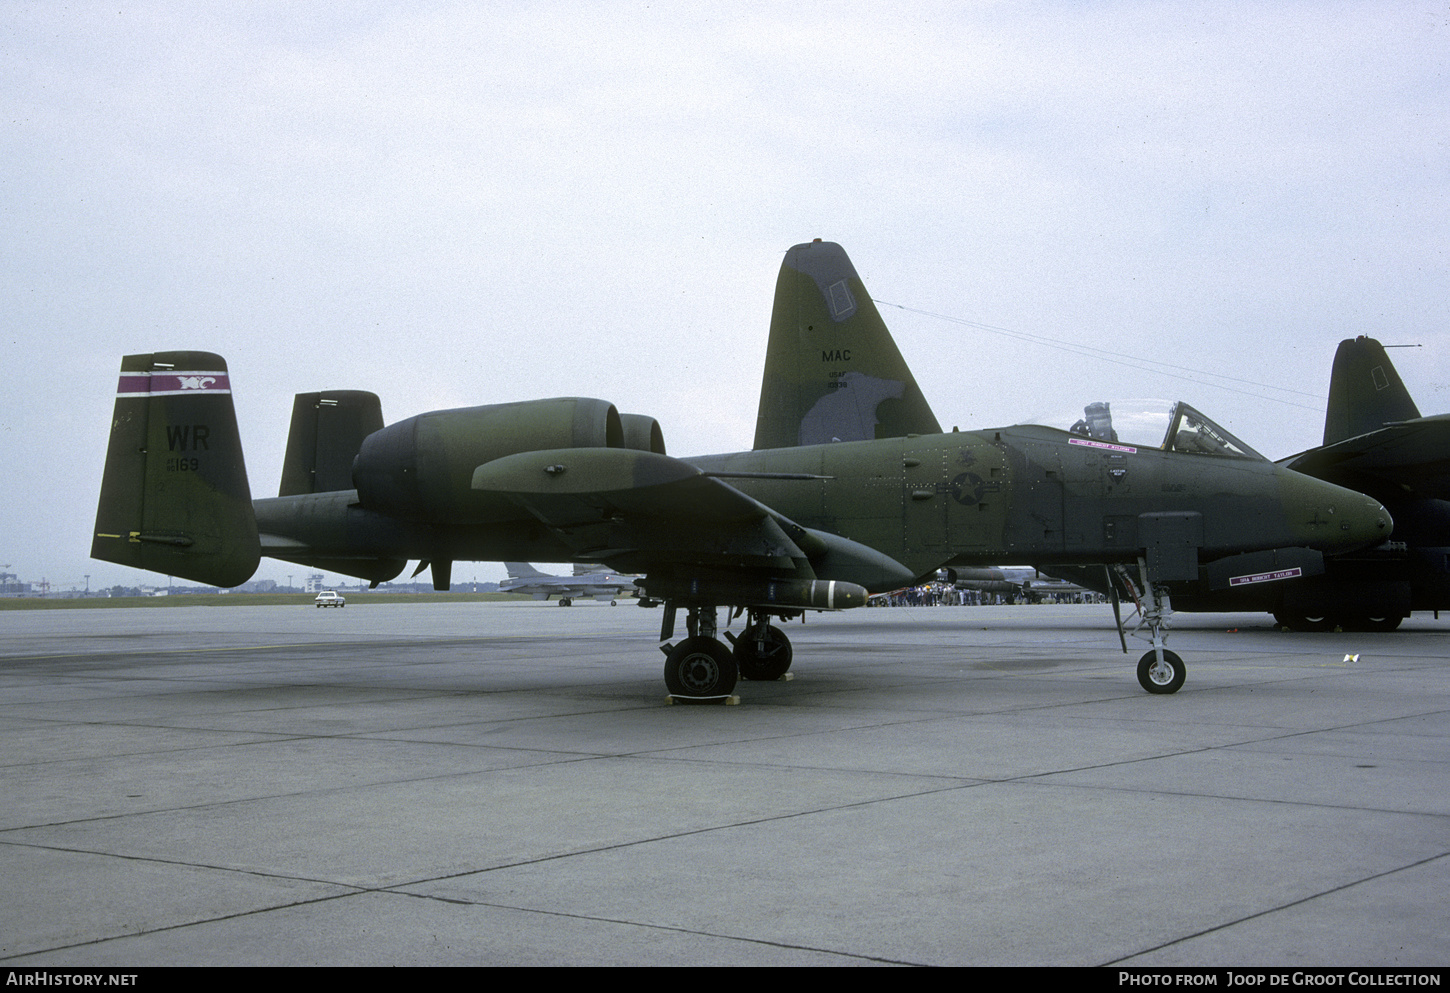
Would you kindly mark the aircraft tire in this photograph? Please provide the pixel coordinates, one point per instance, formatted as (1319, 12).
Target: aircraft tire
(768, 665)
(1387, 623)
(1168, 679)
(1299, 622)
(700, 667)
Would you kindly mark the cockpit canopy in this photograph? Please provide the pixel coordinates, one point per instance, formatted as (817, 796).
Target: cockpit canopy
(1172, 427)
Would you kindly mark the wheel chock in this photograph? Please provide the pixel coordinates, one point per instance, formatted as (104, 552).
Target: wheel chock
(728, 699)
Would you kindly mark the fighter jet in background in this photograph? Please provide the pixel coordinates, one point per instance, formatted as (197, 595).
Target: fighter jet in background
(771, 533)
(602, 586)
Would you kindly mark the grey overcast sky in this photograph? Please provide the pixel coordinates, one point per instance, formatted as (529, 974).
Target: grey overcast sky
(461, 203)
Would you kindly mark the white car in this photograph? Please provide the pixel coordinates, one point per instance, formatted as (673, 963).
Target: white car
(330, 598)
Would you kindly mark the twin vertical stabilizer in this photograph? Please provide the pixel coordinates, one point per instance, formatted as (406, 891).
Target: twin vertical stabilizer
(327, 432)
(174, 497)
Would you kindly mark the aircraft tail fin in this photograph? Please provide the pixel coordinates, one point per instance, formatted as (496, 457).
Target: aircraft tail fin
(832, 370)
(522, 570)
(174, 496)
(327, 432)
(1365, 392)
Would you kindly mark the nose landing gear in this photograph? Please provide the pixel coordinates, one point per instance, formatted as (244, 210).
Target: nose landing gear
(1159, 671)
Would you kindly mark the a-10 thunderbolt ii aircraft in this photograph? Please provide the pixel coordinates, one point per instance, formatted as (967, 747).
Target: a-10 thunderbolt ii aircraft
(771, 533)
(602, 586)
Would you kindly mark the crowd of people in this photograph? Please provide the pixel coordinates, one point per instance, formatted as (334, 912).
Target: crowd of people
(947, 595)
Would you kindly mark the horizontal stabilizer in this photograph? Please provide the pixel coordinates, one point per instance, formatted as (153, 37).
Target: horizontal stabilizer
(1411, 454)
(374, 569)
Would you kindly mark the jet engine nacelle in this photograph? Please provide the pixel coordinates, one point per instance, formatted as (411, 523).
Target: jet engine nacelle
(642, 433)
(422, 468)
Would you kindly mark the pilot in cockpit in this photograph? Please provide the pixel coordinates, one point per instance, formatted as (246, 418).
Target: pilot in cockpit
(1097, 422)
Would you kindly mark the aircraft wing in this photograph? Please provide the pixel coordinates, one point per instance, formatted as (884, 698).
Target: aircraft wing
(1414, 453)
(639, 511)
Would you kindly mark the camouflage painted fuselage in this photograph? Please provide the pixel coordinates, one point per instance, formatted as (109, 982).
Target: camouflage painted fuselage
(1036, 494)
(1024, 493)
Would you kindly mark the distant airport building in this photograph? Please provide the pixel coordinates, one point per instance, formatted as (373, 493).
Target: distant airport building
(10, 585)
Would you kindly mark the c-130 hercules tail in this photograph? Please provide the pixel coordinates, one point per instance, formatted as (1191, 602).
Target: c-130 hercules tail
(771, 533)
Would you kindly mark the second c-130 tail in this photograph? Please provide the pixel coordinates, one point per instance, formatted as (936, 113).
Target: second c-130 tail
(174, 497)
(1365, 392)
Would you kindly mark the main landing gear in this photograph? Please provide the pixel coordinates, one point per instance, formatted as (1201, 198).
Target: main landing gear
(1332, 622)
(1159, 670)
(702, 668)
(762, 651)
